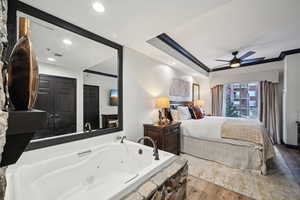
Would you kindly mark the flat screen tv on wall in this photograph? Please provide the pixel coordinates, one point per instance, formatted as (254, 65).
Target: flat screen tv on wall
(114, 99)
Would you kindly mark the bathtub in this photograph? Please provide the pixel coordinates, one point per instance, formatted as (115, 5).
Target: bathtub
(108, 171)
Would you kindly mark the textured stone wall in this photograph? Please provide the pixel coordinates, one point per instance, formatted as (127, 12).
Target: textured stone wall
(3, 115)
(168, 184)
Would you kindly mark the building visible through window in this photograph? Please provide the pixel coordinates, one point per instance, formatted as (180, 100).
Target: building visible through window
(241, 100)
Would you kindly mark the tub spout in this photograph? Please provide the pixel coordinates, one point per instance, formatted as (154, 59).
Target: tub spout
(155, 150)
(87, 127)
(123, 138)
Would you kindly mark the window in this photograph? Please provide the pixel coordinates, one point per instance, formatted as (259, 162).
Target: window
(252, 93)
(237, 94)
(236, 103)
(252, 103)
(241, 100)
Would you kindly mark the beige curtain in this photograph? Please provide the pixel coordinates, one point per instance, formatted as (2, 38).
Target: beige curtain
(217, 100)
(269, 109)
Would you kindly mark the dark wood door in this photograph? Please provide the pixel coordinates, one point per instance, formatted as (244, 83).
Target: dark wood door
(45, 102)
(57, 96)
(65, 106)
(91, 105)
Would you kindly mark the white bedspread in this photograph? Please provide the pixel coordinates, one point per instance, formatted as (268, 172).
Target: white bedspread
(212, 146)
(208, 127)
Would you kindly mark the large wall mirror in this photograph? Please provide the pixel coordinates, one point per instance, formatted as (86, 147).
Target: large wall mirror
(80, 79)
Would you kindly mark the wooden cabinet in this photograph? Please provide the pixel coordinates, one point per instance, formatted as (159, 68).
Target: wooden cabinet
(108, 119)
(167, 137)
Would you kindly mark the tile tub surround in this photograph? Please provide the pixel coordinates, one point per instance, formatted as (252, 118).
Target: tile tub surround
(278, 184)
(168, 184)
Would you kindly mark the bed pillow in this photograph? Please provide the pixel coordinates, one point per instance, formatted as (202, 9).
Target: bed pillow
(202, 111)
(198, 112)
(183, 113)
(174, 114)
(193, 116)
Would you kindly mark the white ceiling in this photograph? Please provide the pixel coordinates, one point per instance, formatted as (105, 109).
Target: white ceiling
(109, 66)
(265, 26)
(209, 29)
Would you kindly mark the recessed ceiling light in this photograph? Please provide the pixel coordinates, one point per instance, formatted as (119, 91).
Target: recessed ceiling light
(98, 7)
(114, 35)
(173, 63)
(67, 41)
(51, 59)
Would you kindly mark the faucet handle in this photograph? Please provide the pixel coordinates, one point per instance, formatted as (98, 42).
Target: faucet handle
(119, 137)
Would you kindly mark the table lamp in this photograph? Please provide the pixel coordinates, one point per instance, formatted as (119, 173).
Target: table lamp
(199, 102)
(163, 103)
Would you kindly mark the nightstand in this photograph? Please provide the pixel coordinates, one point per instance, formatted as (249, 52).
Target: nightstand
(167, 137)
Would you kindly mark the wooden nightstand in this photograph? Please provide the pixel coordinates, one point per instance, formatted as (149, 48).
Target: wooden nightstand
(167, 137)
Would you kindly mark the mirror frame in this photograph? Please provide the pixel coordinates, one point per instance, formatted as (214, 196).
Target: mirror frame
(13, 7)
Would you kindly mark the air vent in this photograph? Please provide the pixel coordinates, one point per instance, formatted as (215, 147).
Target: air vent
(58, 55)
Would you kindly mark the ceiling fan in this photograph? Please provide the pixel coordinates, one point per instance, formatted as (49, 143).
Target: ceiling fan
(236, 62)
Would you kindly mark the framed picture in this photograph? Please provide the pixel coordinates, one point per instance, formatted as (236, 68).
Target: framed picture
(196, 92)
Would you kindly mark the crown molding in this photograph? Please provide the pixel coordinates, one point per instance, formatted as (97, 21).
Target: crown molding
(180, 49)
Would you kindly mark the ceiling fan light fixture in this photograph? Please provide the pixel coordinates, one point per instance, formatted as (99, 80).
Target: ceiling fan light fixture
(237, 61)
(235, 64)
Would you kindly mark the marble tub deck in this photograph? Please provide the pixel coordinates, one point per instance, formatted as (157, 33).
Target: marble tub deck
(168, 184)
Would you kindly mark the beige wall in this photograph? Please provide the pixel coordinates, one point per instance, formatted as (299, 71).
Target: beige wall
(291, 98)
(144, 80)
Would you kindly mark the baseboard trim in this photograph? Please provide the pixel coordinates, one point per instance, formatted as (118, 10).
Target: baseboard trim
(291, 146)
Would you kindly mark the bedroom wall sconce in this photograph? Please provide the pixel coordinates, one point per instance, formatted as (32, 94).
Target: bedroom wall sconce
(199, 102)
(163, 103)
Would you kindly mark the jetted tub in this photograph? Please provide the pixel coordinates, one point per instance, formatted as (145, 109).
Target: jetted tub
(109, 171)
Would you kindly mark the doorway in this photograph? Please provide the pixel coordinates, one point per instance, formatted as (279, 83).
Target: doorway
(91, 106)
(57, 96)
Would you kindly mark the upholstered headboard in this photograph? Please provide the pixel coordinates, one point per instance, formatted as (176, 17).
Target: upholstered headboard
(175, 104)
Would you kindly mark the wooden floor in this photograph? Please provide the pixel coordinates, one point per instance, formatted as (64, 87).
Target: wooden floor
(292, 160)
(198, 189)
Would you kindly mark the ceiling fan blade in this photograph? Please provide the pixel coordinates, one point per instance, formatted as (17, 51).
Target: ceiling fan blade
(220, 66)
(223, 60)
(253, 60)
(246, 55)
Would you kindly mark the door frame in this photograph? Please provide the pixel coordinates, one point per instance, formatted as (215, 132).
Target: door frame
(98, 101)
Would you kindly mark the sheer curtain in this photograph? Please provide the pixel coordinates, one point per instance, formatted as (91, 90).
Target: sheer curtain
(269, 109)
(217, 100)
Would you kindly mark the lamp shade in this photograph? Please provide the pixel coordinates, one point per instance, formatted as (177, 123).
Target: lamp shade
(162, 102)
(199, 102)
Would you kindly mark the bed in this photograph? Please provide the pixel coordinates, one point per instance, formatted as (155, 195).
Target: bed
(202, 138)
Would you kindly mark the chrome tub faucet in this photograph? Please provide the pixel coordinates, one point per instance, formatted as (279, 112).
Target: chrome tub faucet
(155, 149)
(123, 138)
(87, 127)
